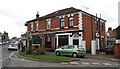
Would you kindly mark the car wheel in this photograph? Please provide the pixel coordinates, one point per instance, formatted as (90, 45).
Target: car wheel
(57, 53)
(74, 55)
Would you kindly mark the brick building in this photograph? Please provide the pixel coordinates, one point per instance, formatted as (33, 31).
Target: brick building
(111, 36)
(68, 26)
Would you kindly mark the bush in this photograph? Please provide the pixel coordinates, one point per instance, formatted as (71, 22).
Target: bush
(29, 51)
(39, 51)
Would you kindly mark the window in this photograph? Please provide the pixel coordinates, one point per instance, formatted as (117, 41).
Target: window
(62, 23)
(48, 23)
(63, 40)
(71, 21)
(36, 25)
(31, 26)
(97, 24)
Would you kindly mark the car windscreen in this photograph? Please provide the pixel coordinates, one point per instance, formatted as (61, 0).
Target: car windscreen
(79, 46)
(13, 45)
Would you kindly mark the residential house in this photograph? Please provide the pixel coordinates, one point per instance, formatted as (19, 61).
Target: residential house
(68, 26)
(5, 37)
(0, 37)
(111, 36)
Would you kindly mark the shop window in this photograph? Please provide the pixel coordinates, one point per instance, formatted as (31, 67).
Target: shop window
(36, 39)
(63, 40)
(48, 42)
(48, 39)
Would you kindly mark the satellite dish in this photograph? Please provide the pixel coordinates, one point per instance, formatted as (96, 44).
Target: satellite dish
(85, 7)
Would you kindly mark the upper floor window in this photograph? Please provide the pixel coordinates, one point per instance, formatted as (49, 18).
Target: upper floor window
(71, 21)
(48, 23)
(62, 23)
(97, 23)
(31, 26)
(36, 25)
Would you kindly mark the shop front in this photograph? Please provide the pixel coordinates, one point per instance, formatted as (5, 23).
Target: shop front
(74, 38)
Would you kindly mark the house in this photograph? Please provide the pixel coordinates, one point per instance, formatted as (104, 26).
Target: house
(118, 32)
(0, 37)
(5, 37)
(68, 26)
(111, 36)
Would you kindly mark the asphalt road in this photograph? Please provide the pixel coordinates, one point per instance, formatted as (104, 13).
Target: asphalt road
(0, 56)
(10, 59)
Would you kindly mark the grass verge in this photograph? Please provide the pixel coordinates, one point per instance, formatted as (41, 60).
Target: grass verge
(48, 57)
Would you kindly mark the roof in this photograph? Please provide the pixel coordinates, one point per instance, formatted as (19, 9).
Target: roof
(61, 12)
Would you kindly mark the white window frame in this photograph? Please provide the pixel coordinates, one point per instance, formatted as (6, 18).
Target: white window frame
(62, 23)
(48, 21)
(31, 26)
(36, 25)
(70, 21)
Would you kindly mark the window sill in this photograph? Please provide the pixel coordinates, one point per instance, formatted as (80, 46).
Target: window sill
(61, 27)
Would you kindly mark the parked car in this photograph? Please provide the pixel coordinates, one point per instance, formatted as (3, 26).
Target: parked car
(109, 49)
(71, 50)
(12, 47)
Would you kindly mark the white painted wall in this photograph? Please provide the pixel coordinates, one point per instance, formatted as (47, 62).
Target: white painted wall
(93, 47)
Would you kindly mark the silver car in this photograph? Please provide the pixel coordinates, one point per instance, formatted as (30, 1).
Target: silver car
(71, 50)
(12, 47)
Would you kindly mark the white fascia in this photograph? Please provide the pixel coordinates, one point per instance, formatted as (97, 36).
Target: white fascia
(64, 34)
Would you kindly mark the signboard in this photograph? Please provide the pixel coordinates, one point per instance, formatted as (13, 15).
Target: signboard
(49, 34)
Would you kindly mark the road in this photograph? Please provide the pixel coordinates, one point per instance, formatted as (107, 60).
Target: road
(10, 59)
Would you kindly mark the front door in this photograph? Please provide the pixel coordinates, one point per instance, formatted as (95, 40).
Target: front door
(76, 42)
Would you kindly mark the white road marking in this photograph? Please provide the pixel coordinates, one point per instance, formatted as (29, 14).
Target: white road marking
(63, 63)
(1, 60)
(8, 56)
(85, 63)
(96, 63)
(21, 60)
(11, 54)
(74, 63)
(107, 64)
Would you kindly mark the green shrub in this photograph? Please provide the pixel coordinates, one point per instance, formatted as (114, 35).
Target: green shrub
(39, 51)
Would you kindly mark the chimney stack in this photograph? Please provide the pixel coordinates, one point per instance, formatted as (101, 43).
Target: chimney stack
(37, 15)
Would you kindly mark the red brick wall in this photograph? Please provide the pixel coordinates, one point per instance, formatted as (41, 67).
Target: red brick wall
(75, 19)
(28, 27)
(89, 27)
(66, 21)
(42, 24)
(55, 22)
(34, 26)
(87, 31)
(53, 43)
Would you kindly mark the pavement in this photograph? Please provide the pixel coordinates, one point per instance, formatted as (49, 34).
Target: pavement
(99, 56)
(103, 56)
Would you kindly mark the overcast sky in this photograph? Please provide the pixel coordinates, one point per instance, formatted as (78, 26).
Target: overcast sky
(14, 13)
